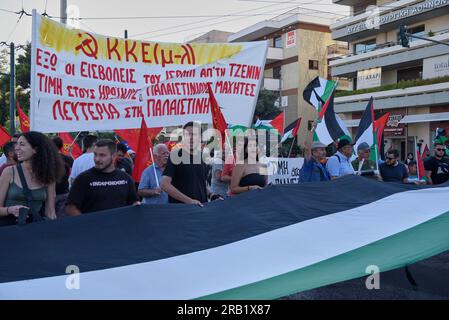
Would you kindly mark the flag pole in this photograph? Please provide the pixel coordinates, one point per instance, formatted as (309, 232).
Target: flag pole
(154, 168)
(291, 147)
(416, 155)
(71, 145)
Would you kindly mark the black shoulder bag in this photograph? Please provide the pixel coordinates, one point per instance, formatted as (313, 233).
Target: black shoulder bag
(24, 214)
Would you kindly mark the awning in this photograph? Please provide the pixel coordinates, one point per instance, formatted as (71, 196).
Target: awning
(416, 118)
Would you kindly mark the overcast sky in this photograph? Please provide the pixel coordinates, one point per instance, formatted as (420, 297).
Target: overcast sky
(161, 25)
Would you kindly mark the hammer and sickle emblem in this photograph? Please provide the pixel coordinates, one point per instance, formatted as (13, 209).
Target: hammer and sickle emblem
(66, 147)
(88, 45)
(26, 123)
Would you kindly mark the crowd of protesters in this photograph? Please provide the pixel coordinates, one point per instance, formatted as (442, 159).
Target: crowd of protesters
(37, 181)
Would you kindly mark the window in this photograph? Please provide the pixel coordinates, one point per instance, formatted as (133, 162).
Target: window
(277, 42)
(313, 64)
(365, 46)
(410, 74)
(276, 72)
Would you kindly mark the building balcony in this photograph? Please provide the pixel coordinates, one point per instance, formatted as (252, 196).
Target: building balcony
(271, 84)
(336, 51)
(387, 18)
(418, 96)
(390, 55)
(274, 54)
(346, 2)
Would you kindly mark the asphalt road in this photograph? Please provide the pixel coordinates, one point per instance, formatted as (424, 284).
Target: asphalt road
(431, 276)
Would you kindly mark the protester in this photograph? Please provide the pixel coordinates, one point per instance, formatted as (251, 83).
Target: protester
(62, 187)
(230, 161)
(339, 164)
(41, 167)
(363, 165)
(103, 186)
(413, 177)
(248, 174)
(150, 182)
(219, 183)
(409, 158)
(437, 166)
(11, 157)
(122, 160)
(184, 178)
(3, 157)
(392, 170)
(313, 170)
(86, 160)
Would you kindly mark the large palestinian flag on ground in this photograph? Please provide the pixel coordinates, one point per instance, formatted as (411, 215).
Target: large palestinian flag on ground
(330, 127)
(258, 245)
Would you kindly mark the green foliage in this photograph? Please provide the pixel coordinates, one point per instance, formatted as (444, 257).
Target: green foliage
(399, 85)
(265, 103)
(23, 85)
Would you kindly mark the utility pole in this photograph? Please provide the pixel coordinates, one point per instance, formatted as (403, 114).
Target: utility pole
(12, 90)
(126, 34)
(63, 11)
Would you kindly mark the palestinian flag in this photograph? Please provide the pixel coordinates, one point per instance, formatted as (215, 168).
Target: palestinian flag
(258, 245)
(274, 120)
(330, 127)
(292, 130)
(366, 132)
(318, 92)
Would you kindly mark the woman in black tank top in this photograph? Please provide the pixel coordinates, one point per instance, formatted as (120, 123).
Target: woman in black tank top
(249, 175)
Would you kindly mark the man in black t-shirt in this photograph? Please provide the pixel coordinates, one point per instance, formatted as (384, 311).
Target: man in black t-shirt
(103, 186)
(437, 166)
(184, 178)
(392, 170)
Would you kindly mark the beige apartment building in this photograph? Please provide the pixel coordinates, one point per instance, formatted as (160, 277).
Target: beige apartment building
(410, 83)
(299, 48)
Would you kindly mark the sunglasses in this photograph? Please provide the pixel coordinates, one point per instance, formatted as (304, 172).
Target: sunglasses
(440, 149)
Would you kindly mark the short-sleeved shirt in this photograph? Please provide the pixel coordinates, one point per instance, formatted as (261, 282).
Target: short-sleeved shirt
(148, 181)
(82, 163)
(439, 169)
(393, 173)
(217, 186)
(94, 190)
(189, 178)
(338, 165)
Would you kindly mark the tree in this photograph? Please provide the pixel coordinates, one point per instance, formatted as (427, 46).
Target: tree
(265, 104)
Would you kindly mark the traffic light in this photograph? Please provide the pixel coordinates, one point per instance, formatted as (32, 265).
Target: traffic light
(403, 36)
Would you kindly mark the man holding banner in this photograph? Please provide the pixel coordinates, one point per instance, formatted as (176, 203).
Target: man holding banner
(150, 182)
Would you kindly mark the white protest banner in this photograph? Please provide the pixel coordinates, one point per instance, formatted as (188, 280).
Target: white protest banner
(82, 81)
(283, 170)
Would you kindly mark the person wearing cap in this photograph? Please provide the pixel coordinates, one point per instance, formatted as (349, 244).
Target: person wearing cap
(340, 163)
(362, 164)
(312, 169)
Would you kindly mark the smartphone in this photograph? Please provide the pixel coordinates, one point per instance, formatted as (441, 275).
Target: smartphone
(23, 215)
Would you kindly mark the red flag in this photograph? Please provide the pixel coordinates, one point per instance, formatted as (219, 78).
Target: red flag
(68, 142)
(278, 123)
(143, 158)
(4, 136)
(131, 136)
(218, 120)
(425, 151)
(379, 126)
(420, 163)
(23, 118)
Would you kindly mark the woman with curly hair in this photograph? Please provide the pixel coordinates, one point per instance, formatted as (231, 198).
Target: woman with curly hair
(42, 167)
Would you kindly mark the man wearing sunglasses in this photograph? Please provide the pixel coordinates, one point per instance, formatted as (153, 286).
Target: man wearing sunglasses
(392, 170)
(437, 166)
